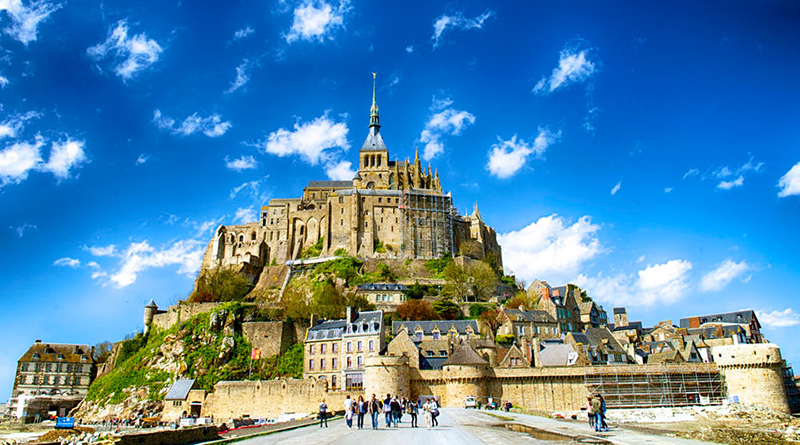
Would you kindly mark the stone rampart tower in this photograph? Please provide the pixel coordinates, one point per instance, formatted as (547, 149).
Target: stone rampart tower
(386, 375)
(753, 372)
(465, 373)
(149, 311)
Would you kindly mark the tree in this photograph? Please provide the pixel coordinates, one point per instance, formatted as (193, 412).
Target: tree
(447, 309)
(491, 319)
(475, 310)
(102, 351)
(359, 302)
(456, 282)
(416, 310)
(220, 284)
(483, 278)
(295, 305)
(523, 299)
(491, 260)
(416, 291)
(470, 248)
(437, 265)
(327, 302)
(585, 298)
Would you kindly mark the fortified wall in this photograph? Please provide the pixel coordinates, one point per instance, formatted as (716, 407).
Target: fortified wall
(754, 374)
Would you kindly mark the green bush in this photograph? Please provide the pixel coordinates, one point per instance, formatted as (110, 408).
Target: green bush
(437, 265)
(447, 309)
(220, 284)
(340, 252)
(505, 340)
(475, 310)
(344, 268)
(314, 250)
(379, 247)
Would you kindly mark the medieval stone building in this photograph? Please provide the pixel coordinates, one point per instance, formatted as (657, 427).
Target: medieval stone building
(390, 209)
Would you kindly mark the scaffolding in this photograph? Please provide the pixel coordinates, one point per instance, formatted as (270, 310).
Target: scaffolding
(427, 223)
(790, 386)
(657, 386)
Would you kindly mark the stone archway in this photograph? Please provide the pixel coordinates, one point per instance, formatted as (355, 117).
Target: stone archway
(312, 231)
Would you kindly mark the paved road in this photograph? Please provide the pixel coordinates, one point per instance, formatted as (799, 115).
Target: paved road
(456, 426)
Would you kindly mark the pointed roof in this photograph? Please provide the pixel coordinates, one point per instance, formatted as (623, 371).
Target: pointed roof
(374, 141)
(465, 355)
(374, 120)
(152, 303)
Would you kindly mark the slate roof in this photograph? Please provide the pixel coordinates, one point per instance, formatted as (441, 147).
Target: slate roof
(368, 192)
(364, 322)
(611, 346)
(531, 316)
(327, 330)
(580, 337)
(620, 310)
(382, 286)
(180, 389)
(330, 184)
(428, 326)
(54, 352)
(555, 354)
(465, 355)
(374, 141)
(745, 317)
(713, 332)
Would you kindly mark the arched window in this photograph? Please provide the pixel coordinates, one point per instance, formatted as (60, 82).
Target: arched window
(349, 362)
(241, 238)
(253, 236)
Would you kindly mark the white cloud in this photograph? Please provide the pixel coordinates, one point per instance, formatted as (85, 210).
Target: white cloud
(616, 188)
(24, 228)
(573, 67)
(142, 159)
(242, 77)
(25, 19)
(506, 158)
(243, 163)
(245, 215)
(253, 187)
(109, 250)
(65, 156)
(691, 172)
(18, 159)
(13, 126)
(316, 20)
(448, 121)
(790, 182)
(659, 284)
(550, 248)
(340, 171)
(3, 81)
(309, 140)
(727, 185)
(779, 319)
(211, 126)
(242, 33)
(67, 262)
(134, 54)
(444, 22)
(410, 49)
(722, 275)
(668, 189)
(138, 257)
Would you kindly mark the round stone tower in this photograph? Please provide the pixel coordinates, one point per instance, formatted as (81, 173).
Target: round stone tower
(465, 375)
(753, 373)
(386, 375)
(149, 311)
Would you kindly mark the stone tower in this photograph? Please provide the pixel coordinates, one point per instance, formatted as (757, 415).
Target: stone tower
(149, 311)
(753, 372)
(465, 374)
(387, 375)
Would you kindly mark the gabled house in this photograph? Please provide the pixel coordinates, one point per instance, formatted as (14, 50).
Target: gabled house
(514, 357)
(593, 314)
(746, 319)
(521, 323)
(437, 329)
(562, 304)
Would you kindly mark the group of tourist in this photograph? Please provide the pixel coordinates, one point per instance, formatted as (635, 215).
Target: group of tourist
(392, 407)
(596, 408)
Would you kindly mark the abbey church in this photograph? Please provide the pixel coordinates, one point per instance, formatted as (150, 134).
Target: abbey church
(390, 209)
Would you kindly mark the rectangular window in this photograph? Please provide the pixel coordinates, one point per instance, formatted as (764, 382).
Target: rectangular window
(311, 350)
(435, 335)
(359, 361)
(349, 346)
(322, 364)
(358, 345)
(379, 199)
(372, 345)
(333, 380)
(36, 380)
(334, 363)
(334, 347)
(419, 335)
(341, 199)
(311, 365)
(322, 348)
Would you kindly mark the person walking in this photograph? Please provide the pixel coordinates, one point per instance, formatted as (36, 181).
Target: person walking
(361, 407)
(603, 425)
(387, 410)
(413, 411)
(434, 412)
(403, 403)
(596, 408)
(348, 411)
(374, 409)
(589, 411)
(396, 410)
(508, 405)
(323, 414)
(427, 410)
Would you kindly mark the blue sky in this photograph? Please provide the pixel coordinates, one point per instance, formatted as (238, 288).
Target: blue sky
(649, 154)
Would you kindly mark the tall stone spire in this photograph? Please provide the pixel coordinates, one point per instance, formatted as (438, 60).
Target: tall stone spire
(373, 111)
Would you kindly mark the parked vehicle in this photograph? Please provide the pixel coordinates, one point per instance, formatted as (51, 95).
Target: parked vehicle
(469, 402)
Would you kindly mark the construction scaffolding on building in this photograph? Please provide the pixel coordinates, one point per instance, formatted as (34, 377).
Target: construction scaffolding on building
(657, 386)
(427, 224)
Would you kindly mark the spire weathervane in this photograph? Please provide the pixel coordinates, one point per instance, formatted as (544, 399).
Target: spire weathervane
(373, 111)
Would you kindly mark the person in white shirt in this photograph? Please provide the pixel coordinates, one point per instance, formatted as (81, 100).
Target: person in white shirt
(427, 407)
(348, 411)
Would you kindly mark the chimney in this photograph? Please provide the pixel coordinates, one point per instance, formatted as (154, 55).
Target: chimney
(350, 314)
(314, 320)
(38, 341)
(545, 293)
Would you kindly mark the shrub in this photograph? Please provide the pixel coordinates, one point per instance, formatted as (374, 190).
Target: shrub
(475, 310)
(447, 309)
(379, 247)
(417, 310)
(505, 340)
(220, 284)
(340, 252)
(436, 265)
(314, 250)
(344, 268)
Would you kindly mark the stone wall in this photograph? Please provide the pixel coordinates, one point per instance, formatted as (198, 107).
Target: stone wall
(181, 436)
(270, 337)
(271, 398)
(181, 312)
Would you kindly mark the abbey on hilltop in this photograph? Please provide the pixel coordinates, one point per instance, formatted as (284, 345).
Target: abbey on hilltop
(390, 209)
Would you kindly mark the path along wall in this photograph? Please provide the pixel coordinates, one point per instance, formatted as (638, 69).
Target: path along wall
(271, 398)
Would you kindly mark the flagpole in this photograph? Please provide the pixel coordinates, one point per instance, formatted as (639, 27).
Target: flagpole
(250, 374)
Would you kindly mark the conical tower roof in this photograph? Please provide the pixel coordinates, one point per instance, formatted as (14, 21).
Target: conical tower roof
(465, 355)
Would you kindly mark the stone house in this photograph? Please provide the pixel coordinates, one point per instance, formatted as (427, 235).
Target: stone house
(521, 323)
(592, 314)
(184, 399)
(556, 352)
(535, 288)
(599, 346)
(385, 296)
(437, 329)
(746, 319)
(51, 377)
(335, 350)
(562, 304)
(513, 357)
